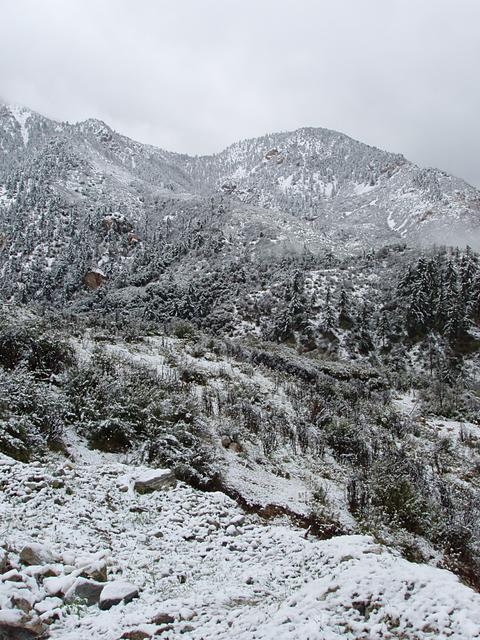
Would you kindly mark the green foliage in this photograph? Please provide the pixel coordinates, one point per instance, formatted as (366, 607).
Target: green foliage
(400, 500)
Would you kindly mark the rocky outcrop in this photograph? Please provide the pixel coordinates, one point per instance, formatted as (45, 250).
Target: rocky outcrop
(94, 278)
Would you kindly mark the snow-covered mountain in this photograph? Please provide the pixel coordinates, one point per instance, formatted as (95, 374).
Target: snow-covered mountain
(340, 192)
(342, 184)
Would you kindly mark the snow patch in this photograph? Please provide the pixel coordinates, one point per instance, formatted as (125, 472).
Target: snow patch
(360, 189)
(21, 115)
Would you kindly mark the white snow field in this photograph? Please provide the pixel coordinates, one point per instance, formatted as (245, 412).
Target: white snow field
(202, 568)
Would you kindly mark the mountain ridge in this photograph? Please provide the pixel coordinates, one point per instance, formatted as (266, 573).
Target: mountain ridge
(15, 108)
(311, 191)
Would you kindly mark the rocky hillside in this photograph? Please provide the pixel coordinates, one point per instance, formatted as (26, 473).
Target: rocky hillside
(85, 554)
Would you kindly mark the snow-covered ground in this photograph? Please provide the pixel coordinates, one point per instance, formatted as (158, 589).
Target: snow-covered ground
(406, 403)
(203, 568)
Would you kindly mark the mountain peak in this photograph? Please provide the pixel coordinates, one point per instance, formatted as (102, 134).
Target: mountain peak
(322, 177)
(19, 117)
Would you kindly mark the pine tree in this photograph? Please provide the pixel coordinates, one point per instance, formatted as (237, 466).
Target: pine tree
(344, 308)
(383, 328)
(329, 320)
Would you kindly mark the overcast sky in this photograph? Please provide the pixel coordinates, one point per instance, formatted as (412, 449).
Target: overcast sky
(195, 75)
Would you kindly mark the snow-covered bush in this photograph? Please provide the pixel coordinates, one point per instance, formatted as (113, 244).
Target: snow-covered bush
(32, 414)
(29, 346)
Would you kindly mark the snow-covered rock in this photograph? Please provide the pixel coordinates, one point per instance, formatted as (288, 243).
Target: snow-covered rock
(23, 599)
(116, 592)
(49, 604)
(58, 585)
(3, 560)
(37, 554)
(85, 590)
(154, 480)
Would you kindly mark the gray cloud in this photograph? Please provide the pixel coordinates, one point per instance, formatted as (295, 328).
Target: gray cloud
(196, 75)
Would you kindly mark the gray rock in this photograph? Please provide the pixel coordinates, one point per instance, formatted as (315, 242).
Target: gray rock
(4, 564)
(35, 553)
(187, 614)
(187, 628)
(58, 586)
(226, 441)
(22, 599)
(116, 592)
(163, 629)
(96, 571)
(231, 530)
(18, 625)
(48, 605)
(8, 632)
(154, 480)
(12, 576)
(85, 589)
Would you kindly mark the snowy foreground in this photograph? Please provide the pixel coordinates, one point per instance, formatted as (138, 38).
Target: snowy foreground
(193, 565)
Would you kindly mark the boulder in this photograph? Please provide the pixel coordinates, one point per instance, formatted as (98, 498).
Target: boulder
(186, 614)
(116, 592)
(58, 586)
(232, 530)
(35, 553)
(12, 576)
(68, 558)
(94, 278)
(154, 480)
(22, 599)
(163, 618)
(226, 441)
(237, 521)
(135, 634)
(161, 630)
(8, 632)
(4, 563)
(87, 590)
(18, 625)
(95, 571)
(49, 604)
(43, 570)
(13, 617)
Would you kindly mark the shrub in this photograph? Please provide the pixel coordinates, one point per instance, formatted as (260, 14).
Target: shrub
(348, 441)
(394, 492)
(32, 414)
(110, 435)
(183, 329)
(41, 353)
